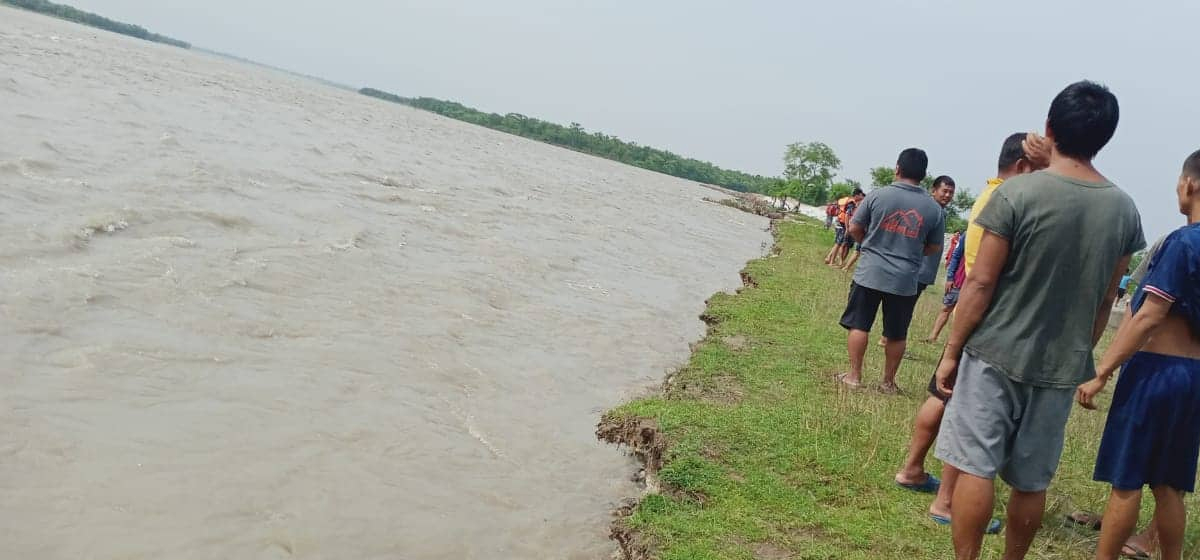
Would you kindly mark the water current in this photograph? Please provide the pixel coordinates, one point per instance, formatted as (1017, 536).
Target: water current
(248, 315)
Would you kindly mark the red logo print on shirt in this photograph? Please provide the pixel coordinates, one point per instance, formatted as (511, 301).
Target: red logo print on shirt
(904, 222)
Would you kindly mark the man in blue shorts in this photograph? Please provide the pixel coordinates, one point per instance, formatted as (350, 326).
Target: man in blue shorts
(1152, 436)
(1036, 301)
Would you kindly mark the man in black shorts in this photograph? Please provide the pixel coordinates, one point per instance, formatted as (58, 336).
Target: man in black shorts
(897, 226)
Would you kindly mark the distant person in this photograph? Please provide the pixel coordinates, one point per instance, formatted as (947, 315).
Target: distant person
(897, 226)
(831, 212)
(1035, 303)
(842, 241)
(853, 258)
(1017, 157)
(1123, 286)
(1152, 436)
(956, 274)
(954, 241)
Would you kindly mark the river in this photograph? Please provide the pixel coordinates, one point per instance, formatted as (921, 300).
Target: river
(248, 315)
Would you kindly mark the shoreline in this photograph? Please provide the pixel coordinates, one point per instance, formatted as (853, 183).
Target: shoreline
(750, 451)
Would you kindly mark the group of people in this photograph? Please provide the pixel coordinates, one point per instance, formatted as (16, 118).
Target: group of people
(1030, 286)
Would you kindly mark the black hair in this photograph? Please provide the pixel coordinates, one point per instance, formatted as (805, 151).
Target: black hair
(913, 164)
(942, 180)
(1083, 118)
(858, 191)
(1191, 166)
(1012, 151)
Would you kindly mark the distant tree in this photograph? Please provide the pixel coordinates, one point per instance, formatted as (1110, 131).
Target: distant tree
(963, 202)
(62, 11)
(575, 137)
(843, 188)
(883, 176)
(810, 166)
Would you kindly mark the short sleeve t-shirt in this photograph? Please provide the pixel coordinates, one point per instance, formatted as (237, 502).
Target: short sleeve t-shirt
(1174, 275)
(900, 219)
(1065, 239)
(930, 265)
(974, 232)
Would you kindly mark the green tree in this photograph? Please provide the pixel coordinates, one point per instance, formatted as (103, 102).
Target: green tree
(843, 188)
(575, 137)
(882, 176)
(812, 194)
(813, 165)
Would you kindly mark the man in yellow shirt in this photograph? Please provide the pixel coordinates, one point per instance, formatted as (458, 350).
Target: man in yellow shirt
(1021, 153)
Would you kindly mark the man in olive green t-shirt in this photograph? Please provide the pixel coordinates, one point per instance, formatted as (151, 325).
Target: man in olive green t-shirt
(1033, 306)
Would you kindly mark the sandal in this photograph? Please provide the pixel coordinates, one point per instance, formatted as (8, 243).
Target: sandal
(889, 388)
(1085, 519)
(1134, 551)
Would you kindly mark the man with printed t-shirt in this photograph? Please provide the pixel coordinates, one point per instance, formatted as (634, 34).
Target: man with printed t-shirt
(898, 226)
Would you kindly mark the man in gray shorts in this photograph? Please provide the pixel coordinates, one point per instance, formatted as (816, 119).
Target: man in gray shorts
(1033, 306)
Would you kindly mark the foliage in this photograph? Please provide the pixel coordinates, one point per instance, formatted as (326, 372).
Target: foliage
(812, 165)
(68, 13)
(768, 458)
(595, 143)
(843, 188)
(882, 176)
(1137, 259)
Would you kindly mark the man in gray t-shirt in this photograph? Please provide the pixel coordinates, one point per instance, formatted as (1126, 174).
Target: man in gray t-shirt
(1036, 300)
(897, 226)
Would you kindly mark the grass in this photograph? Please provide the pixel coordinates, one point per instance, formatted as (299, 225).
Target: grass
(767, 458)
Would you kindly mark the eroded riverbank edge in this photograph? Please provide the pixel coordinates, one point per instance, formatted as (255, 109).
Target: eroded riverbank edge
(641, 436)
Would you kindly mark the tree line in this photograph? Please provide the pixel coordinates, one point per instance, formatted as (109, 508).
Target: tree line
(575, 137)
(69, 13)
(809, 168)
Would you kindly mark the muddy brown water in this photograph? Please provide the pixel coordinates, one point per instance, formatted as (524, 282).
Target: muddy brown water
(247, 315)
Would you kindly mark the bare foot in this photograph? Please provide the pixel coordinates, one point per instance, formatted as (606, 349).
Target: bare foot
(844, 379)
(889, 388)
(912, 478)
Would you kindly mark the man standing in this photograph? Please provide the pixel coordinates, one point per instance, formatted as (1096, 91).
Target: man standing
(896, 226)
(942, 193)
(1034, 304)
(1017, 157)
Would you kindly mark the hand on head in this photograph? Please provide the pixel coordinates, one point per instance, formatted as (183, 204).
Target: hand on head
(1037, 150)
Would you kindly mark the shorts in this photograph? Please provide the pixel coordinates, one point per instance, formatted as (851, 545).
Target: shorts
(933, 389)
(863, 304)
(839, 234)
(1153, 431)
(843, 237)
(1120, 293)
(997, 426)
(951, 298)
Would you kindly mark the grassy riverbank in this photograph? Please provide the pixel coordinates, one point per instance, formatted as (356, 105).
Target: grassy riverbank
(759, 455)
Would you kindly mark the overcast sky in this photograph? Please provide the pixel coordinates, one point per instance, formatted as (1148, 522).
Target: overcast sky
(734, 82)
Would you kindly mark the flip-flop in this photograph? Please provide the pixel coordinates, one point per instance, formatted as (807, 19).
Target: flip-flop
(1137, 552)
(889, 389)
(993, 528)
(841, 378)
(930, 486)
(1085, 519)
